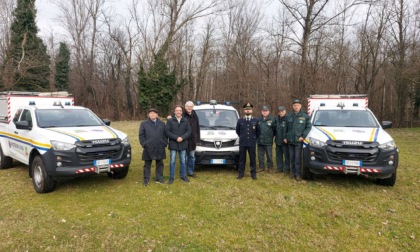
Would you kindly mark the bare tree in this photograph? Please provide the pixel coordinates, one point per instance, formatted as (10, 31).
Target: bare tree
(6, 19)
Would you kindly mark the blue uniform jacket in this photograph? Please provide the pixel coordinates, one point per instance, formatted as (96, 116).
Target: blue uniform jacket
(248, 132)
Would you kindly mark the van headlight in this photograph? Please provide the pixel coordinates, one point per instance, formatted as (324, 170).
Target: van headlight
(57, 145)
(125, 141)
(237, 141)
(388, 145)
(316, 143)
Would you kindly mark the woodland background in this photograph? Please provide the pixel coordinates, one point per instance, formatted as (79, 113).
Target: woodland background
(166, 52)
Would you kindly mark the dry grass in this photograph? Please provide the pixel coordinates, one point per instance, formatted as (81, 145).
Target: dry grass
(214, 211)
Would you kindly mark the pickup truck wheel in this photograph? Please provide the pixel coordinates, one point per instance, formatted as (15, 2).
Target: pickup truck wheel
(5, 162)
(119, 173)
(41, 181)
(306, 173)
(391, 180)
(388, 181)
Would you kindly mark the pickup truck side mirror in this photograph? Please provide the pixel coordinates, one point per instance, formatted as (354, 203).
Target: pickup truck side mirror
(107, 122)
(386, 124)
(23, 125)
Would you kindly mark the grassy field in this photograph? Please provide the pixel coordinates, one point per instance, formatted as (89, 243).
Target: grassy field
(214, 211)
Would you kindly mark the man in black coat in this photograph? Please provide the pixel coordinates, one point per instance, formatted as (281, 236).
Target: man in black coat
(153, 140)
(248, 131)
(178, 130)
(194, 138)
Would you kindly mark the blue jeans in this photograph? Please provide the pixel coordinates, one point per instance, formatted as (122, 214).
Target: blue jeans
(295, 152)
(182, 154)
(191, 162)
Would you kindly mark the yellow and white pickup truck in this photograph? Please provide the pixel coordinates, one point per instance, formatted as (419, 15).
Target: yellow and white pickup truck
(58, 140)
(347, 138)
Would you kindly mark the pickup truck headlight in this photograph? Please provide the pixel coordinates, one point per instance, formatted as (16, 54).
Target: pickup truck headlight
(316, 143)
(388, 145)
(62, 146)
(125, 141)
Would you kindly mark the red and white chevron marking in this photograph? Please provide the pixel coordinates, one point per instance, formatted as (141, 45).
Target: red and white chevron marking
(341, 168)
(9, 115)
(334, 168)
(369, 170)
(92, 169)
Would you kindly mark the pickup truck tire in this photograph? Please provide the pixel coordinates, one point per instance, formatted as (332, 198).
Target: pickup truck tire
(119, 173)
(306, 173)
(5, 162)
(41, 181)
(391, 180)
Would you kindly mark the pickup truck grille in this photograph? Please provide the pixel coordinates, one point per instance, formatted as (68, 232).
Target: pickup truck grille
(366, 151)
(212, 144)
(88, 151)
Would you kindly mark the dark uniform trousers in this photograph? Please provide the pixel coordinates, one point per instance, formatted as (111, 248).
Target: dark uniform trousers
(242, 160)
(248, 132)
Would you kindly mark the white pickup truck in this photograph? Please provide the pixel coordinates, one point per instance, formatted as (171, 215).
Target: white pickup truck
(347, 138)
(58, 140)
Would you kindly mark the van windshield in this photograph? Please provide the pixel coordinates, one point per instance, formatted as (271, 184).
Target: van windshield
(49, 118)
(217, 118)
(345, 118)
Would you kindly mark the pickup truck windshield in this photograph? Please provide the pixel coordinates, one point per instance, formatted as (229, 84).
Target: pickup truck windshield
(217, 118)
(345, 118)
(49, 118)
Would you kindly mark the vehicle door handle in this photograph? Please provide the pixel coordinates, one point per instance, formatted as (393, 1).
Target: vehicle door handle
(17, 133)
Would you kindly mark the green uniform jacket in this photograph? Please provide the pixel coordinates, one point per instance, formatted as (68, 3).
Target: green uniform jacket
(280, 124)
(297, 125)
(267, 130)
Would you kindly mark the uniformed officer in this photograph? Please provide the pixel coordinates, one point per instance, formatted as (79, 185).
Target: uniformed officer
(282, 149)
(297, 127)
(265, 140)
(248, 131)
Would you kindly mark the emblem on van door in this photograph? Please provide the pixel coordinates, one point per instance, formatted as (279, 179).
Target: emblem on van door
(217, 144)
(352, 142)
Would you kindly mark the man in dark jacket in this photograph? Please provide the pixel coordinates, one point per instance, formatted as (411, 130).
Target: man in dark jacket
(248, 131)
(282, 149)
(178, 130)
(153, 140)
(194, 138)
(265, 140)
(298, 125)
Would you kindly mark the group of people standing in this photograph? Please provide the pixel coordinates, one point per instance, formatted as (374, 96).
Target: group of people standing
(183, 132)
(288, 131)
(182, 129)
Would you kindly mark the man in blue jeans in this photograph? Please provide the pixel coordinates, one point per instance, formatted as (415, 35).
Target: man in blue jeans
(194, 138)
(178, 130)
(297, 127)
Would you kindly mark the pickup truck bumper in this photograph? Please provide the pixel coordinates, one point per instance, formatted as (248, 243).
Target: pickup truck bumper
(319, 162)
(73, 164)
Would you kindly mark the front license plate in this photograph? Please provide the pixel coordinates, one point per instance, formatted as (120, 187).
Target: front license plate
(218, 161)
(352, 163)
(102, 165)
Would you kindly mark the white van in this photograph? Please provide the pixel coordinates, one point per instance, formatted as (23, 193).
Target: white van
(219, 141)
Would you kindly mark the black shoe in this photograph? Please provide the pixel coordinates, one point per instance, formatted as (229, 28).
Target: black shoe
(254, 177)
(192, 175)
(240, 177)
(185, 179)
(160, 181)
(170, 181)
(146, 183)
(298, 178)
